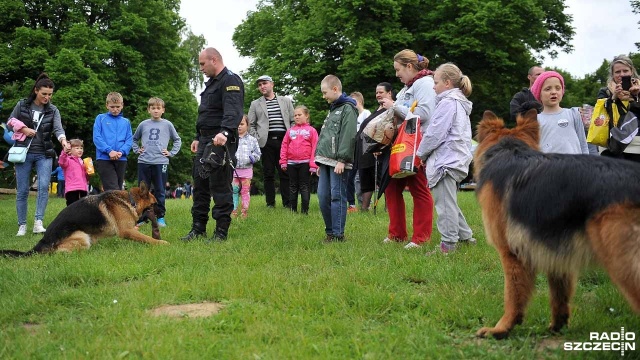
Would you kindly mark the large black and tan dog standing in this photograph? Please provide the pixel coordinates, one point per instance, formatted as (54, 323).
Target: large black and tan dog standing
(555, 214)
(112, 213)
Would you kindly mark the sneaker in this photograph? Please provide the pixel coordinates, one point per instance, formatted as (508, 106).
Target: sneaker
(444, 248)
(334, 238)
(22, 230)
(387, 241)
(161, 222)
(38, 228)
(352, 209)
(412, 245)
(470, 241)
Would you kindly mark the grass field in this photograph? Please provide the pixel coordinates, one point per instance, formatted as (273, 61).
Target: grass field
(286, 295)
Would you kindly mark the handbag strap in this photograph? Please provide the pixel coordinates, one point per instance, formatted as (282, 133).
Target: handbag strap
(622, 110)
(36, 129)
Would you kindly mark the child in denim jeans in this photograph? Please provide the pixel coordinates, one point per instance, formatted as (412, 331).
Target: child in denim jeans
(334, 155)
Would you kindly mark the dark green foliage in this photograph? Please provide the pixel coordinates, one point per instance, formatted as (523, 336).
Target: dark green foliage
(299, 42)
(138, 48)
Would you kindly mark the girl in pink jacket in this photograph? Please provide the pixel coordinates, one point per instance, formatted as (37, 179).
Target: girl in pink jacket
(297, 158)
(75, 174)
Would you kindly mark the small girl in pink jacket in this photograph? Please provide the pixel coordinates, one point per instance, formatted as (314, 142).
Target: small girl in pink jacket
(297, 158)
(75, 174)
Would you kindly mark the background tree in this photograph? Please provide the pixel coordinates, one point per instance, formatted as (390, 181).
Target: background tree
(92, 48)
(298, 42)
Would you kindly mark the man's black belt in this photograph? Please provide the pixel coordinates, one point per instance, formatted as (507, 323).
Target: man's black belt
(208, 132)
(276, 135)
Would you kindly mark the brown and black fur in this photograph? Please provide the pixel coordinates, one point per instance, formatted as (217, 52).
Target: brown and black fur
(554, 213)
(83, 223)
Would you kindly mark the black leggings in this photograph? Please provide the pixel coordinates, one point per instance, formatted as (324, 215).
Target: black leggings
(299, 182)
(73, 196)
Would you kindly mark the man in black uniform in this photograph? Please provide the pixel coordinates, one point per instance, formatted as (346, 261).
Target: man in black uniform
(219, 114)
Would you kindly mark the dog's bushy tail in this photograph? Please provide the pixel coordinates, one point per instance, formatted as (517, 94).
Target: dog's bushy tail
(16, 253)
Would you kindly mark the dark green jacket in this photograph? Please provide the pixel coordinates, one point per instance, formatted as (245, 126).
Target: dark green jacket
(337, 139)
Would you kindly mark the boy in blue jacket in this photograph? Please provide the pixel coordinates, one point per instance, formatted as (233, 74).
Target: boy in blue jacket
(113, 138)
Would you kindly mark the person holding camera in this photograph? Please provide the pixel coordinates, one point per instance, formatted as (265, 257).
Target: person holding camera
(623, 84)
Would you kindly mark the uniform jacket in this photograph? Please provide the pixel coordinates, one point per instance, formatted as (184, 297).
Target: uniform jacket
(299, 145)
(221, 103)
(259, 119)
(337, 139)
(446, 144)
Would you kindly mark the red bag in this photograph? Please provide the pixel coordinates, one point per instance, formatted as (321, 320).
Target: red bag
(403, 161)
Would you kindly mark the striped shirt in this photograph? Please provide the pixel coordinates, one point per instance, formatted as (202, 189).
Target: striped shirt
(276, 122)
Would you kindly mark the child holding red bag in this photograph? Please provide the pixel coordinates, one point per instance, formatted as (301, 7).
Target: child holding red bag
(446, 150)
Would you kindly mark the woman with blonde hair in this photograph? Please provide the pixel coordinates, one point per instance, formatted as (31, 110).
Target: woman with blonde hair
(411, 69)
(616, 90)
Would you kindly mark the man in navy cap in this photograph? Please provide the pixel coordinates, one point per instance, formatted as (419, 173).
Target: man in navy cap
(270, 116)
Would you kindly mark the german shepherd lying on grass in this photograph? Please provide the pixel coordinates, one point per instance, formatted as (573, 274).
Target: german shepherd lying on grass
(554, 213)
(82, 223)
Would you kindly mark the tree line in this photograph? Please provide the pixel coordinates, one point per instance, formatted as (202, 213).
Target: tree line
(143, 48)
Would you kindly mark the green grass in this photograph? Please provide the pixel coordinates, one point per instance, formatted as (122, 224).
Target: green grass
(287, 295)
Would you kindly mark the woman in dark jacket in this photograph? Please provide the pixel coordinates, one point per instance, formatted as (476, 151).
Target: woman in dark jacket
(36, 112)
(366, 162)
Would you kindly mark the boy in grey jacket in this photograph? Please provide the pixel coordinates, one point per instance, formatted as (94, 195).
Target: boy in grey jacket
(334, 156)
(153, 159)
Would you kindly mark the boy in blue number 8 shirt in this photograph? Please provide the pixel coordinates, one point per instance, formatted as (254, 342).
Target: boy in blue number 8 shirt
(153, 159)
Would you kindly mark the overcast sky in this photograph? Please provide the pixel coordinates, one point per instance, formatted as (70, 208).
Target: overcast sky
(603, 29)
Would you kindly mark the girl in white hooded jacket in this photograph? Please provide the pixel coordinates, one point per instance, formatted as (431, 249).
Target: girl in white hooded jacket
(446, 149)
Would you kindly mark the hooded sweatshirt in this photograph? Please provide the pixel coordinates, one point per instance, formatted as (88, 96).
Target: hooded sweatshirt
(446, 144)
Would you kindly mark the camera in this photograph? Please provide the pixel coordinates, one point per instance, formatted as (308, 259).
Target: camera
(626, 82)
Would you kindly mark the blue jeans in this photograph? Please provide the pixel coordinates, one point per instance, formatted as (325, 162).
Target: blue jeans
(154, 175)
(332, 196)
(23, 182)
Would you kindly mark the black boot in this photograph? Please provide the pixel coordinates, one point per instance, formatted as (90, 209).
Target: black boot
(219, 235)
(197, 230)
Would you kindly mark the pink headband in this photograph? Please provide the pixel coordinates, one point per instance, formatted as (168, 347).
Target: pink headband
(536, 89)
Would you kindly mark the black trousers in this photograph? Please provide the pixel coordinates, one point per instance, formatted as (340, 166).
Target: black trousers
(73, 196)
(111, 173)
(217, 186)
(270, 165)
(299, 180)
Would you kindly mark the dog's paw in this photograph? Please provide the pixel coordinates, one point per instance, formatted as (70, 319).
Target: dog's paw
(162, 242)
(498, 334)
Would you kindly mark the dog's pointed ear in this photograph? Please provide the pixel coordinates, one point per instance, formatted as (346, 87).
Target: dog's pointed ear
(528, 126)
(143, 188)
(490, 123)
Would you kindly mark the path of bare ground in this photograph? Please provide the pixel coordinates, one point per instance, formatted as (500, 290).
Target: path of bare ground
(188, 310)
